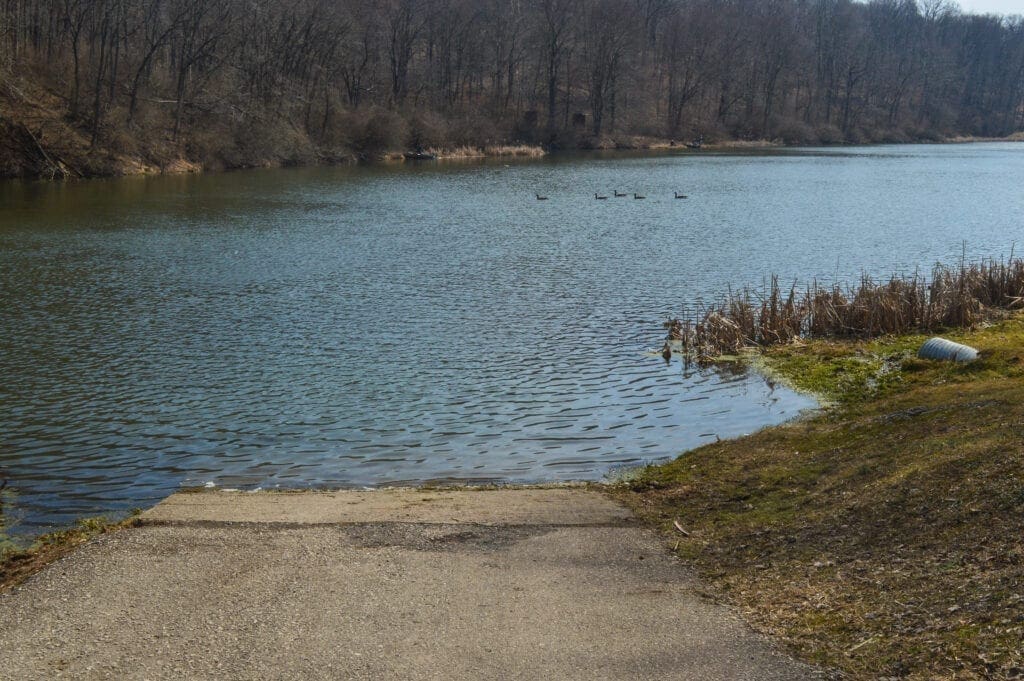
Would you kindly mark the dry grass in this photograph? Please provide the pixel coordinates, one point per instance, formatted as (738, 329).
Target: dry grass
(884, 537)
(745, 144)
(465, 151)
(959, 297)
(521, 150)
(968, 139)
(475, 152)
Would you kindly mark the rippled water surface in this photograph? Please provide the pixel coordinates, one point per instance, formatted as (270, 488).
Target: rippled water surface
(355, 326)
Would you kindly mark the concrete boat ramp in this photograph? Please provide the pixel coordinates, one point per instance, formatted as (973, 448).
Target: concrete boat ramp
(396, 584)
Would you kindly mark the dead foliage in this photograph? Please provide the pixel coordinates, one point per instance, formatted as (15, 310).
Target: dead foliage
(952, 297)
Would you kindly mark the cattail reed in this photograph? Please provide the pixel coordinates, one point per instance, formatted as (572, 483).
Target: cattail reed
(952, 297)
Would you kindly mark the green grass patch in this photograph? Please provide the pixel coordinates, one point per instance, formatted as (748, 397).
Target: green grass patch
(847, 372)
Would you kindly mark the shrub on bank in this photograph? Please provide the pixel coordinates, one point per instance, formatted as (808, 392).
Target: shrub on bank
(374, 131)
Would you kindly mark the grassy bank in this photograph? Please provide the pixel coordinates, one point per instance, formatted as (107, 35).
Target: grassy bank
(883, 536)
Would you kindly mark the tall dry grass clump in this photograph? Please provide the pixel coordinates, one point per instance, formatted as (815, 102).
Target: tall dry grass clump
(464, 151)
(520, 150)
(960, 296)
(473, 152)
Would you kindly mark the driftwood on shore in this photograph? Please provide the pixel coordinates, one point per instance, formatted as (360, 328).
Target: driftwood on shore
(25, 144)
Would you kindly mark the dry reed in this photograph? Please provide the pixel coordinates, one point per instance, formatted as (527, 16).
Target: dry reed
(960, 296)
(528, 150)
(465, 151)
(472, 152)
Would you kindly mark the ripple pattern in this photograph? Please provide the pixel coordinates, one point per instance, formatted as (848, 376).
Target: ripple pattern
(359, 327)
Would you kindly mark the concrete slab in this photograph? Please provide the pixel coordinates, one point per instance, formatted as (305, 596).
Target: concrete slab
(525, 506)
(392, 589)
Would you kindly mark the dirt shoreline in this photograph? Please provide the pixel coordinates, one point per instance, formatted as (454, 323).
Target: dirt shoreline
(113, 165)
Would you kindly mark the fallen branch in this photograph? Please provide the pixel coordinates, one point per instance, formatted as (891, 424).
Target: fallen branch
(56, 164)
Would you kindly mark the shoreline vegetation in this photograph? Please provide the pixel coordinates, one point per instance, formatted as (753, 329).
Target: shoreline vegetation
(951, 297)
(882, 536)
(470, 152)
(106, 164)
(40, 140)
(92, 88)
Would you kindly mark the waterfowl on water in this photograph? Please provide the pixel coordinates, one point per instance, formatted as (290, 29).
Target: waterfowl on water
(666, 352)
(618, 193)
(680, 196)
(599, 197)
(638, 196)
(541, 198)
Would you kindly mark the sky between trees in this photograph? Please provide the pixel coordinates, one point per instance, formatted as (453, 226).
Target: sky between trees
(996, 6)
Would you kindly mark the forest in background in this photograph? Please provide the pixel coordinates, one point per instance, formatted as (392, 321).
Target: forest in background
(106, 86)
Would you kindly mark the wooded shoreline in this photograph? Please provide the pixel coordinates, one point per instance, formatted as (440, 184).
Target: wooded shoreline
(33, 160)
(104, 87)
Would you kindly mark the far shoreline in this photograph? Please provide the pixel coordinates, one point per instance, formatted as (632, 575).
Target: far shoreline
(137, 167)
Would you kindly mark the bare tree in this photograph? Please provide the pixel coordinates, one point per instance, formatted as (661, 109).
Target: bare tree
(607, 37)
(816, 69)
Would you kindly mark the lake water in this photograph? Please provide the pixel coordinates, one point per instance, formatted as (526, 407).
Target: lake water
(366, 326)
